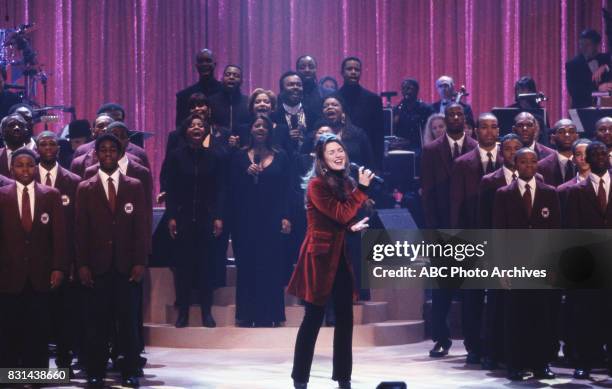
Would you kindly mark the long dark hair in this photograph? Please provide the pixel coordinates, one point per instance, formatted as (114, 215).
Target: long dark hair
(337, 180)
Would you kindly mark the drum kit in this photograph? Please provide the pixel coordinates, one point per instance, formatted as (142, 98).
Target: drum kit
(17, 53)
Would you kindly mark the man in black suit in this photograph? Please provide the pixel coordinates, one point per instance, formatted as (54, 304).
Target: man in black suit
(558, 167)
(364, 108)
(292, 112)
(527, 203)
(7, 98)
(445, 86)
(527, 128)
(229, 106)
(306, 67)
(580, 71)
(437, 162)
(205, 64)
(588, 206)
(410, 117)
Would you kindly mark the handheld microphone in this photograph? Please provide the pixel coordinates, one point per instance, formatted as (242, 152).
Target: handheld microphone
(295, 124)
(378, 179)
(256, 161)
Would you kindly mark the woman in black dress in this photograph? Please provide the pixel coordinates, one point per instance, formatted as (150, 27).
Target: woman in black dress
(259, 200)
(194, 207)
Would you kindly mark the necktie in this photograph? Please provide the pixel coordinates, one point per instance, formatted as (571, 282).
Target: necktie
(527, 199)
(456, 151)
(112, 194)
(490, 164)
(601, 196)
(48, 180)
(26, 212)
(569, 171)
(513, 176)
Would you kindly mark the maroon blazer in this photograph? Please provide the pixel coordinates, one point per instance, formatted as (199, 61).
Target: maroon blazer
(509, 211)
(4, 168)
(131, 149)
(563, 191)
(543, 151)
(551, 171)
(582, 209)
(465, 181)
(328, 220)
(35, 255)
(436, 166)
(489, 184)
(4, 180)
(66, 183)
(106, 240)
(142, 174)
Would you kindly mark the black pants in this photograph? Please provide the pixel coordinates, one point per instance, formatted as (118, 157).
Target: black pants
(441, 300)
(494, 325)
(65, 316)
(590, 325)
(471, 319)
(24, 329)
(342, 295)
(113, 300)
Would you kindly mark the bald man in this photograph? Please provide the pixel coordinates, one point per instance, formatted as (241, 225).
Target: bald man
(527, 128)
(559, 166)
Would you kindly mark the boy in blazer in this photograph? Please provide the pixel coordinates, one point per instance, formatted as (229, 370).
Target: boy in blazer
(33, 261)
(527, 203)
(111, 255)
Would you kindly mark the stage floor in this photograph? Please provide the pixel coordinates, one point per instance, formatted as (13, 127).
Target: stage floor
(270, 369)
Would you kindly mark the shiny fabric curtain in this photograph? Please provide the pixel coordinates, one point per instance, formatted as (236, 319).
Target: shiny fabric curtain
(140, 53)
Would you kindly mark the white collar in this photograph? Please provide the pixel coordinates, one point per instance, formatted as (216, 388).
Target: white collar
(123, 164)
(483, 154)
(20, 187)
(459, 141)
(508, 174)
(522, 183)
(293, 110)
(104, 177)
(595, 178)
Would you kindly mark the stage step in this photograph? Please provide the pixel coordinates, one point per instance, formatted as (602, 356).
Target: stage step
(227, 296)
(387, 333)
(363, 313)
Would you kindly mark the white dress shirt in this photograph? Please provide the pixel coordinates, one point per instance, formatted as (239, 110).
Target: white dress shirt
(509, 175)
(31, 193)
(562, 159)
(452, 142)
(123, 164)
(484, 158)
(606, 183)
(43, 174)
(104, 177)
(532, 187)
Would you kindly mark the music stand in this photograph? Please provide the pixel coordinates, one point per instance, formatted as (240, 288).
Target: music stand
(585, 119)
(505, 119)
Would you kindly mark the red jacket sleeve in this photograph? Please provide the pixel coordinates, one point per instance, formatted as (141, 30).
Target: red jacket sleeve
(324, 200)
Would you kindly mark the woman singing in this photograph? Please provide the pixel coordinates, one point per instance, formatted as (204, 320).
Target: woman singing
(323, 269)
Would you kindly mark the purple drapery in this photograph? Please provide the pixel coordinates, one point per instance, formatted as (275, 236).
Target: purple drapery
(140, 53)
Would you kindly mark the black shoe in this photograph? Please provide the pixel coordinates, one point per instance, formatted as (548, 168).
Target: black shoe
(142, 361)
(489, 364)
(208, 321)
(544, 374)
(582, 374)
(95, 382)
(183, 318)
(344, 384)
(440, 349)
(300, 385)
(130, 382)
(472, 358)
(515, 375)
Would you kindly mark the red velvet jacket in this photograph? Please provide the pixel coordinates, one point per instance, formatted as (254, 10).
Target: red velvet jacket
(328, 220)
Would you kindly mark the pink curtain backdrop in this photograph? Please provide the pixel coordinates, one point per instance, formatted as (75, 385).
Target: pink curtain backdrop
(140, 53)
